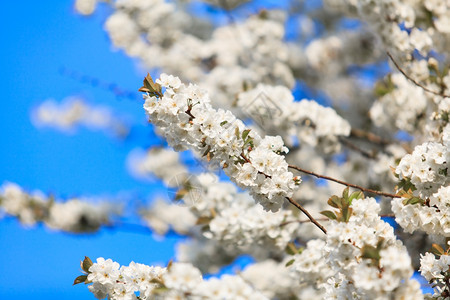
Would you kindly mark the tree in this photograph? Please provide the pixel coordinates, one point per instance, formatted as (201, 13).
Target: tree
(305, 187)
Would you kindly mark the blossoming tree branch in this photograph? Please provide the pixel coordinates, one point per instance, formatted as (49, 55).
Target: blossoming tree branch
(344, 195)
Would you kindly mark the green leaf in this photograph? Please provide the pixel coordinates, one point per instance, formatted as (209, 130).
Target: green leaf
(180, 194)
(445, 116)
(413, 200)
(80, 279)
(245, 133)
(370, 252)
(223, 123)
(160, 290)
(236, 132)
(384, 87)
(249, 142)
(169, 265)
(203, 221)
(335, 201)
(346, 213)
(150, 86)
(355, 195)
(380, 244)
(291, 249)
(290, 262)
(329, 214)
(345, 193)
(86, 264)
(156, 280)
(406, 185)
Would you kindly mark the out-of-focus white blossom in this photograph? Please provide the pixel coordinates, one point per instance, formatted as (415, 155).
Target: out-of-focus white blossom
(74, 215)
(275, 110)
(160, 162)
(74, 112)
(427, 170)
(402, 108)
(436, 271)
(85, 7)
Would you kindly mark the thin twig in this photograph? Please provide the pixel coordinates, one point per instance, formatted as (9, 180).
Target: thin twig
(139, 228)
(98, 83)
(414, 81)
(324, 220)
(302, 221)
(311, 218)
(351, 146)
(369, 136)
(344, 183)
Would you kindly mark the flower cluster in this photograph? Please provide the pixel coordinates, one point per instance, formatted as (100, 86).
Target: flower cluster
(227, 218)
(361, 255)
(275, 110)
(437, 272)
(243, 228)
(73, 215)
(249, 66)
(373, 262)
(254, 52)
(425, 188)
(187, 120)
(385, 17)
(402, 108)
(426, 168)
(190, 47)
(109, 279)
(431, 216)
(310, 265)
(177, 281)
(234, 221)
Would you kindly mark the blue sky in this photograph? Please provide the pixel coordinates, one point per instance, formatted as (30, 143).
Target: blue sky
(38, 39)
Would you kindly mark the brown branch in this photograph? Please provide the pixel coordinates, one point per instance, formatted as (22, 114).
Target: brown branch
(387, 216)
(311, 218)
(351, 146)
(302, 221)
(325, 219)
(369, 136)
(414, 81)
(344, 183)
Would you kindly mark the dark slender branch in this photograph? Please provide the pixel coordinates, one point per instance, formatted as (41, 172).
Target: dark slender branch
(388, 216)
(325, 219)
(302, 221)
(188, 112)
(344, 183)
(311, 218)
(351, 146)
(369, 136)
(414, 81)
(96, 82)
(139, 228)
